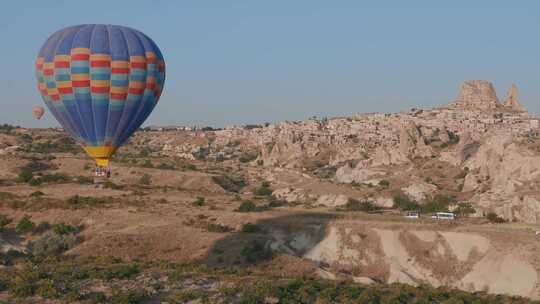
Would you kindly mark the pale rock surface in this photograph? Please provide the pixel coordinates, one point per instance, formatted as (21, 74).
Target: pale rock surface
(512, 100)
(332, 200)
(419, 191)
(502, 274)
(481, 265)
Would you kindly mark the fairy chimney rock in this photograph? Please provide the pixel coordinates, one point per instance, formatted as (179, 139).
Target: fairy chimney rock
(512, 100)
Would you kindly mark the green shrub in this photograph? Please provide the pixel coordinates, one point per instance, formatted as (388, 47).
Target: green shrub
(465, 209)
(94, 298)
(250, 228)
(122, 271)
(229, 183)
(37, 194)
(110, 185)
(454, 138)
(273, 202)
(199, 202)
(89, 201)
(190, 167)
(145, 180)
(404, 203)
(255, 252)
(54, 178)
(34, 182)
(85, 180)
(264, 189)
(247, 206)
(42, 227)
(127, 297)
(36, 166)
(147, 164)
(356, 205)
(4, 221)
(52, 244)
(7, 128)
(384, 183)
(494, 218)
(63, 229)
(164, 166)
(213, 227)
(25, 176)
(25, 225)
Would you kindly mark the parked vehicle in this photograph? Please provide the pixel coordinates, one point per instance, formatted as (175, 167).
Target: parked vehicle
(412, 214)
(444, 216)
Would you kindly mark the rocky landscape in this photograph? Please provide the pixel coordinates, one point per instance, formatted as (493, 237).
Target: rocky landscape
(208, 215)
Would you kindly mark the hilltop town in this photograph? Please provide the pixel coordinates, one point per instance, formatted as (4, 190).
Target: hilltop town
(492, 144)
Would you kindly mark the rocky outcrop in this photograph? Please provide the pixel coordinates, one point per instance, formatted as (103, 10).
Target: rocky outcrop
(512, 100)
(412, 143)
(466, 260)
(504, 176)
(420, 191)
(479, 94)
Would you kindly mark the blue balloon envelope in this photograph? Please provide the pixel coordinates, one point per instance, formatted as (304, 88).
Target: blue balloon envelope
(100, 82)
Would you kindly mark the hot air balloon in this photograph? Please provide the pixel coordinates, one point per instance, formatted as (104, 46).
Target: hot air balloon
(38, 112)
(100, 82)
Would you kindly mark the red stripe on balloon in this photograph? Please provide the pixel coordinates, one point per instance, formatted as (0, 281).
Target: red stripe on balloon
(81, 83)
(119, 96)
(100, 64)
(83, 57)
(65, 90)
(138, 65)
(120, 70)
(100, 89)
(61, 64)
(135, 91)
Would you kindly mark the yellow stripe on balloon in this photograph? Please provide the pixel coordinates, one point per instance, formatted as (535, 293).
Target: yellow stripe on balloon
(80, 77)
(64, 84)
(100, 83)
(105, 57)
(119, 90)
(137, 58)
(137, 84)
(62, 58)
(80, 51)
(120, 64)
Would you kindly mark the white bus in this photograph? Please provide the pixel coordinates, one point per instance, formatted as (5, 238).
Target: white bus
(412, 214)
(444, 216)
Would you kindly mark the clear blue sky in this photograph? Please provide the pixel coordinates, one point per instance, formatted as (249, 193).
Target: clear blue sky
(232, 62)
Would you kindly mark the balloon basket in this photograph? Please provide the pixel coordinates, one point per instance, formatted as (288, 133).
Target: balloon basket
(101, 174)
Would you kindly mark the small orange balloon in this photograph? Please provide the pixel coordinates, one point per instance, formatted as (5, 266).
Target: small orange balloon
(38, 112)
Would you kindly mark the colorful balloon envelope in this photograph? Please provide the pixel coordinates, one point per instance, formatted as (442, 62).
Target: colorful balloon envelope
(38, 112)
(100, 82)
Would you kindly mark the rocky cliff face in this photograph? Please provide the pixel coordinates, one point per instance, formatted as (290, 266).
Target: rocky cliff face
(466, 260)
(478, 94)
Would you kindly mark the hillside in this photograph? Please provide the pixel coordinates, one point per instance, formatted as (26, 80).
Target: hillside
(295, 212)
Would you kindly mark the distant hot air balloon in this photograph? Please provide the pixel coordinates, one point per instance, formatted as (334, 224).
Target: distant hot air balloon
(38, 112)
(100, 82)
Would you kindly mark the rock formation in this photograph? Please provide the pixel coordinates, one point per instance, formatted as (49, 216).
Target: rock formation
(478, 94)
(512, 100)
